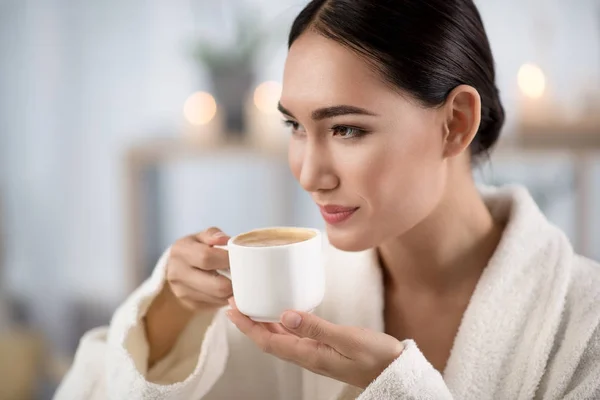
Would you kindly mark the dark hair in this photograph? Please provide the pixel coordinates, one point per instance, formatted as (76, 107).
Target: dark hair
(424, 47)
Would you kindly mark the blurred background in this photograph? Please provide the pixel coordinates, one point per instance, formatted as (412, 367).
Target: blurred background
(127, 124)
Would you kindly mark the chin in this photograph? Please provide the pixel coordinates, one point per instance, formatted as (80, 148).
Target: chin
(349, 239)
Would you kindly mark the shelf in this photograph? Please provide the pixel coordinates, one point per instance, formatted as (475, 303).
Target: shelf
(579, 138)
(169, 149)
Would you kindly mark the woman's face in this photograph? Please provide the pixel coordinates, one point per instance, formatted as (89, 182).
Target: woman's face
(358, 144)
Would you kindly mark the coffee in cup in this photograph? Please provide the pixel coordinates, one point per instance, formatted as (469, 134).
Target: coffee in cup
(274, 237)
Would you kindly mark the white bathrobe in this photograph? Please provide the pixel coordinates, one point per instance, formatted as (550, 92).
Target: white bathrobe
(531, 331)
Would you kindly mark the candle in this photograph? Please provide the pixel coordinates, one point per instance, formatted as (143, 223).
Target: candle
(203, 118)
(264, 120)
(534, 103)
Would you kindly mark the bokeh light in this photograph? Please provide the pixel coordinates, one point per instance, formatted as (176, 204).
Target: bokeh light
(200, 108)
(532, 81)
(266, 96)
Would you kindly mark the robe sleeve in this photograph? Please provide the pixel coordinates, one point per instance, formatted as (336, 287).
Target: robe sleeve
(111, 362)
(409, 377)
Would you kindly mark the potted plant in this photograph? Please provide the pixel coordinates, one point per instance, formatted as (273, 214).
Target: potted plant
(231, 68)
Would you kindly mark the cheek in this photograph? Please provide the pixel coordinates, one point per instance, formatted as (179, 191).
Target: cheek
(405, 181)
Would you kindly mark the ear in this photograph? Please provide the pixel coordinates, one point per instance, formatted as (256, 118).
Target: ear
(463, 116)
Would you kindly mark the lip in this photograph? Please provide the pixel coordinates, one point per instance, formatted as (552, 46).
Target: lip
(335, 214)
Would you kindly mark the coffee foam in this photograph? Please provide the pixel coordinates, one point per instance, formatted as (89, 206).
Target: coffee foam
(274, 237)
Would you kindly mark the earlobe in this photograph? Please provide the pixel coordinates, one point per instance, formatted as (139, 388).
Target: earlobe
(463, 116)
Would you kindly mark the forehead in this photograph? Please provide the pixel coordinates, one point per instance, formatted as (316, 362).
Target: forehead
(321, 71)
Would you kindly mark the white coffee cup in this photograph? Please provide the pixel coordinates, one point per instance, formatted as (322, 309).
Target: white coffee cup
(269, 279)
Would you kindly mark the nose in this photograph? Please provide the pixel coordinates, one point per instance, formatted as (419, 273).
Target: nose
(317, 172)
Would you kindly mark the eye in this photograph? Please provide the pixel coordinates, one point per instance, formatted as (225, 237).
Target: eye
(294, 126)
(347, 132)
(291, 124)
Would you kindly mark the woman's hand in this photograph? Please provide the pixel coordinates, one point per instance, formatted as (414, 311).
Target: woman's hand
(352, 355)
(191, 270)
(192, 284)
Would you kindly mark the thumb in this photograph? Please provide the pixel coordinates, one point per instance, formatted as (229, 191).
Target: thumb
(310, 326)
(220, 240)
(213, 236)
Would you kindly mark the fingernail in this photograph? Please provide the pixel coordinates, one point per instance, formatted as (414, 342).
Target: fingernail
(218, 234)
(291, 319)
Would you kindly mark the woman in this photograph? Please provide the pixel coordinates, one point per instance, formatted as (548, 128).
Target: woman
(436, 290)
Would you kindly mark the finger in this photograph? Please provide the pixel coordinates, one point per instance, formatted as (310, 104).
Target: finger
(260, 333)
(231, 302)
(310, 326)
(277, 328)
(271, 327)
(198, 305)
(254, 330)
(212, 284)
(194, 302)
(212, 236)
(184, 292)
(305, 352)
(201, 255)
(208, 282)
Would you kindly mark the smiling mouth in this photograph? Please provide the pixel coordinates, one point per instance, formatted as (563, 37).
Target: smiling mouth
(334, 214)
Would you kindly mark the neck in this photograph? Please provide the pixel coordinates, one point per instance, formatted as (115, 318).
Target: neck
(450, 247)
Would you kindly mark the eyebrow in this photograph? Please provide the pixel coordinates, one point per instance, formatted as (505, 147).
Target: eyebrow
(330, 112)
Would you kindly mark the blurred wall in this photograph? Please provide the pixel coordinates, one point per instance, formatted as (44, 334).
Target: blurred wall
(79, 81)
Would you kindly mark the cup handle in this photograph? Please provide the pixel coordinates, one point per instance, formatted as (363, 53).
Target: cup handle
(224, 272)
